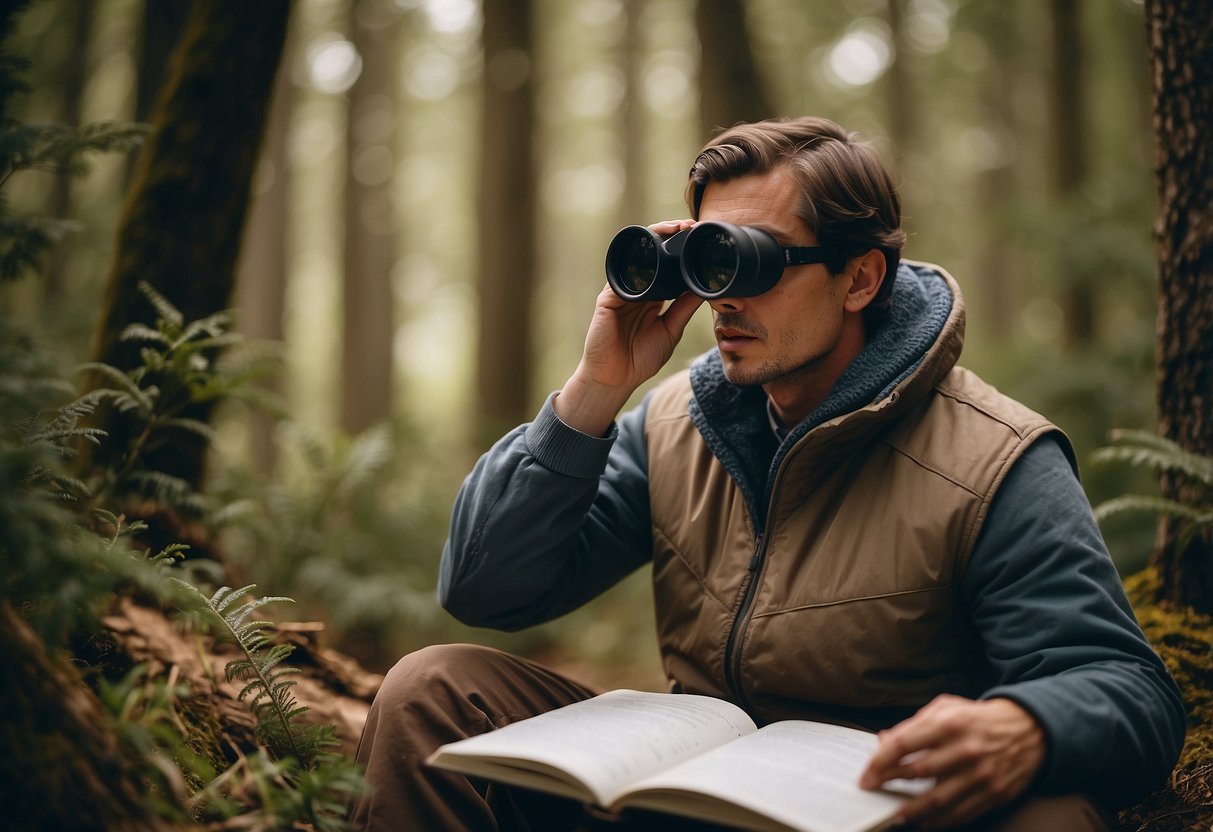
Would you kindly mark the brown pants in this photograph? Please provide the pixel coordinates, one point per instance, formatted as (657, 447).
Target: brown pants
(447, 692)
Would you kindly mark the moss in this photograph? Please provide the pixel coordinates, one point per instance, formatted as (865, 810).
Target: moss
(1184, 640)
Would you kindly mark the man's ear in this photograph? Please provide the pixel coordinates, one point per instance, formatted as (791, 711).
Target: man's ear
(867, 275)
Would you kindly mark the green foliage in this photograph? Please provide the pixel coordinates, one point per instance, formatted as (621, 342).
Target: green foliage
(1141, 449)
(267, 688)
(65, 554)
(299, 779)
(349, 534)
(52, 565)
(54, 149)
(181, 365)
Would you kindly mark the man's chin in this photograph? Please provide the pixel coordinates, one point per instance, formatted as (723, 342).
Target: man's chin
(739, 372)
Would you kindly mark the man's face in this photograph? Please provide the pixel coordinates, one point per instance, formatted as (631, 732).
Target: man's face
(789, 336)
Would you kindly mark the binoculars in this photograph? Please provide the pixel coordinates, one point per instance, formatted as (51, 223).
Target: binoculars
(713, 260)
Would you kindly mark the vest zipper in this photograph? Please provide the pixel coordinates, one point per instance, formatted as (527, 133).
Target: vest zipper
(732, 651)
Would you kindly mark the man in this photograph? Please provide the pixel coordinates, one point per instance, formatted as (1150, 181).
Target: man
(842, 525)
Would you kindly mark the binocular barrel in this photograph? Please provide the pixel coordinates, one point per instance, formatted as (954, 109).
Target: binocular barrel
(713, 260)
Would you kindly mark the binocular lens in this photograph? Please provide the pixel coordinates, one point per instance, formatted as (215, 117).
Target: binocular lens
(712, 261)
(636, 263)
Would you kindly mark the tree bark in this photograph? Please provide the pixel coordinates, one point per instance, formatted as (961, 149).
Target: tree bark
(164, 24)
(1180, 43)
(183, 216)
(507, 221)
(62, 767)
(368, 324)
(730, 89)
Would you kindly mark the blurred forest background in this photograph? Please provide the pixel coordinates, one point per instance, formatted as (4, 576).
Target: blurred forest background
(436, 188)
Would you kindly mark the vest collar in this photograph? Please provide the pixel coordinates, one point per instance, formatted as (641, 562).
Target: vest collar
(911, 352)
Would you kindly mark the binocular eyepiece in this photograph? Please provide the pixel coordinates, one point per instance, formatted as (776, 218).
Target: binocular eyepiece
(713, 260)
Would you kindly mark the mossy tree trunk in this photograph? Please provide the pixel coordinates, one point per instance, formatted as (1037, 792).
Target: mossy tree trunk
(181, 224)
(1180, 41)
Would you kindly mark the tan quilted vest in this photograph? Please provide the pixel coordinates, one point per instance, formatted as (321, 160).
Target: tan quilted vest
(848, 608)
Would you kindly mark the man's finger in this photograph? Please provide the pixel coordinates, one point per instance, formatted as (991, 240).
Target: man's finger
(913, 735)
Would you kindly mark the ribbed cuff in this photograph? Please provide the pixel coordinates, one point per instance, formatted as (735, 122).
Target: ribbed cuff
(567, 450)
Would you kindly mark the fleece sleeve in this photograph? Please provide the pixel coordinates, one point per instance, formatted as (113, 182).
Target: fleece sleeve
(1063, 641)
(548, 518)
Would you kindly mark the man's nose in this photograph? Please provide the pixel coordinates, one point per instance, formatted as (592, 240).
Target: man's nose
(722, 305)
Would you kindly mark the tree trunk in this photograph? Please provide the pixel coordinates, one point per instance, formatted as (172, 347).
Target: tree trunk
(368, 324)
(729, 87)
(635, 197)
(181, 224)
(902, 102)
(507, 222)
(261, 269)
(163, 26)
(997, 185)
(62, 767)
(1070, 148)
(54, 279)
(1180, 42)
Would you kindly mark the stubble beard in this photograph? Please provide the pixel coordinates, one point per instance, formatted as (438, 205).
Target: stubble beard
(785, 370)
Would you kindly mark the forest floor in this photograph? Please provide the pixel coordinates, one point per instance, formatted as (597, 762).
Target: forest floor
(1184, 639)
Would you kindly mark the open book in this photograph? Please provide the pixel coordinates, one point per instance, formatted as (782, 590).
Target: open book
(688, 755)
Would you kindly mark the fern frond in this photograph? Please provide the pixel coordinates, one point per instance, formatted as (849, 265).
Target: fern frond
(60, 149)
(1147, 450)
(164, 308)
(25, 240)
(271, 702)
(212, 325)
(1143, 504)
(142, 332)
(129, 386)
(161, 486)
(169, 555)
(194, 426)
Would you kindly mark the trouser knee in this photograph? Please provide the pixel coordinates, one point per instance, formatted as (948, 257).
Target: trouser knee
(437, 680)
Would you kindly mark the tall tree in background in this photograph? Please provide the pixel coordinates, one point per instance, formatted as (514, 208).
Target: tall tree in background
(996, 184)
(181, 224)
(261, 269)
(730, 89)
(1070, 149)
(74, 77)
(902, 103)
(631, 55)
(370, 242)
(1180, 42)
(507, 220)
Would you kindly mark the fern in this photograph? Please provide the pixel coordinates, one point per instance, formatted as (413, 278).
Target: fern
(1142, 449)
(267, 688)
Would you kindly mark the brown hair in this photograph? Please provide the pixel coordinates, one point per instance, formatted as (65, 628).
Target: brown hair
(847, 197)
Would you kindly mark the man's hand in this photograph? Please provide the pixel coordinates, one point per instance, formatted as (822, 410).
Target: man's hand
(983, 754)
(627, 343)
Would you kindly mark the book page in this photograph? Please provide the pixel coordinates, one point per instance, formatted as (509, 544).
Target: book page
(605, 742)
(802, 775)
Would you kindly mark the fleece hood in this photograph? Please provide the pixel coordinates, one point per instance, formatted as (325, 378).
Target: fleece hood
(913, 349)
